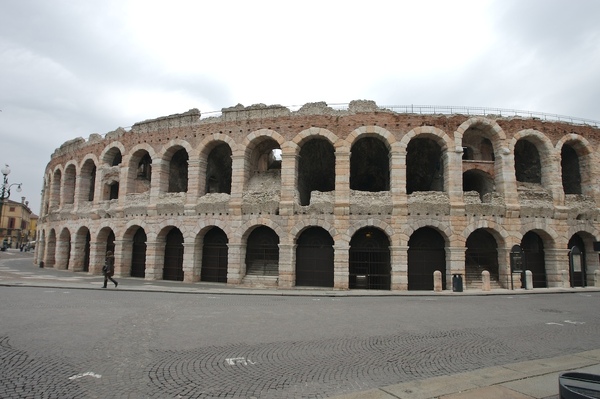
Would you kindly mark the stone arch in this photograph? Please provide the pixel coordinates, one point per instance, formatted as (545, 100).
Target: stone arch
(490, 129)
(315, 168)
(69, 182)
(247, 228)
(82, 250)
(369, 258)
(262, 160)
(579, 166)
(495, 229)
(377, 223)
(139, 160)
(548, 159)
(216, 167)
(56, 187)
(312, 132)
(441, 227)
(174, 168)
(112, 154)
(50, 252)
(304, 224)
(371, 131)
(87, 179)
(63, 249)
(262, 251)
(426, 256)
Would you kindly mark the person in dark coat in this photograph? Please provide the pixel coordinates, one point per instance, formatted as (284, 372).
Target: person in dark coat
(109, 269)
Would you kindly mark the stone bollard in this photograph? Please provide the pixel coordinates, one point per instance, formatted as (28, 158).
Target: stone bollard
(485, 280)
(596, 282)
(437, 281)
(529, 279)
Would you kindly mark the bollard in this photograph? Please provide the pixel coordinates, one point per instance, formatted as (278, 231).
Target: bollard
(437, 281)
(528, 280)
(485, 281)
(596, 282)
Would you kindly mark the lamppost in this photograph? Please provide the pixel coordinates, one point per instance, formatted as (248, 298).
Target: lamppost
(5, 192)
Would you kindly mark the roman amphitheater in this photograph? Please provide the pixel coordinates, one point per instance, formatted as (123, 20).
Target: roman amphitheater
(342, 197)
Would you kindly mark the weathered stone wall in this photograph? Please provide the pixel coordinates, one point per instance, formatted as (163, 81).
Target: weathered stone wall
(270, 198)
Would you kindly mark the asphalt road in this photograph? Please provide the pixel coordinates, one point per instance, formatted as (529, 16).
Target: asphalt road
(78, 343)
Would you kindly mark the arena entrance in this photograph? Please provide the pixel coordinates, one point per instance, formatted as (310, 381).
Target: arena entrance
(481, 254)
(262, 252)
(314, 258)
(370, 260)
(173, 263)
(138, 254)
(533, 250)
(426, 254)
(214, 256)
(578, 277)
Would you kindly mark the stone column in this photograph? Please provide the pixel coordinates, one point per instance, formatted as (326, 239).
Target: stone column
(556, 261)
(453, 184)
(158, 184)
(119, 244)
(238, 177)
(455, 261)
(155, 256)
(189, 275)
(287, 260)
(97, 256)
(78, 248)
(62, 254)
(342, 182)
(398, 184)
(504, 268)
(591, 266)
(289, 181)
(193, 191)
(236, 267)
(399, 260)
(341, 270)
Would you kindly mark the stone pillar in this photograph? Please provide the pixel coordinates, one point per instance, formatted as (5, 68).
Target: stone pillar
(287, 260)
(78, 249)
(556, 261)
(399, 260)
(158, 184)
(62, 254)
(591, 266)
(566, 279)
(398, 184)
(289, 181)
(119, 244)
(504, 268)
(453, 182)
(342, 182)
(236, 267)
(155, 256)
(596, 279)
(189, 268)
(238, 176)
(341, 262)
(455, 264)
(97, 256)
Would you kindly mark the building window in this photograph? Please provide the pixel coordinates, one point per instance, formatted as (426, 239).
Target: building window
(11, 223)
(12, 209)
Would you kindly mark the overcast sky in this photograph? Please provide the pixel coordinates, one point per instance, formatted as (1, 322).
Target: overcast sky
(70, 68)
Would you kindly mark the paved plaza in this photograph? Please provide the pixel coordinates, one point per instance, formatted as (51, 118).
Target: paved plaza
(63, 336)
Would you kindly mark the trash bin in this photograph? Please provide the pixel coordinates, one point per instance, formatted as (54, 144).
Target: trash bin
(361, 281)
(572, 385)
(42, 264)
(457, 283)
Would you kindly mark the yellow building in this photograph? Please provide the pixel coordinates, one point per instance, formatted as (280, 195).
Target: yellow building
(17, 224)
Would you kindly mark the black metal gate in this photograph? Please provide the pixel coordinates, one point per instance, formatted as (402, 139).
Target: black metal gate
(138, 254)
(426, 254)
(370, 260)
(173, 266)
(533, 253)
(314, 258)
(481, 254)
(214, 256)
(262, 252)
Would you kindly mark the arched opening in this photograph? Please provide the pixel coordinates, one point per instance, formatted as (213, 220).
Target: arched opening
(138, 254)
(314, 258)
(110, 242)
(55, 191)
(140, 172)
(370, 165)
(426, 254)
(263, 171)
(262, 252)
(533, 250)
(87, 181)
(316, 168)
(370, 266)
(577, 272)
(178, 172)
(476, 147)
(528, 168)
(113, 157)
(218, 170)
(424, 166)
(571, 173)
(480, 181)
(86, 248)
(111, 191)
(481, 255)
(173, 261)
(214, 256)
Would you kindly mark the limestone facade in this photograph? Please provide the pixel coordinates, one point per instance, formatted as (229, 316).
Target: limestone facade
(354, 198)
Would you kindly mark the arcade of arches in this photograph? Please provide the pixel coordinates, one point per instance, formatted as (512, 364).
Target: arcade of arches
(353, 199)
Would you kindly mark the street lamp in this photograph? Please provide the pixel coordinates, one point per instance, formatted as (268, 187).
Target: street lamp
(5, 192)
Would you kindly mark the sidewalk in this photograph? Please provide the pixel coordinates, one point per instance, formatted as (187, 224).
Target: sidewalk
(525, 380)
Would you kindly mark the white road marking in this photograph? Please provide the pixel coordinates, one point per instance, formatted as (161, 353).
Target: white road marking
(88, 373)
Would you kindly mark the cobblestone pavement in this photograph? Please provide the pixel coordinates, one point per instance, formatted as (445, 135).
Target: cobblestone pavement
(94, 343)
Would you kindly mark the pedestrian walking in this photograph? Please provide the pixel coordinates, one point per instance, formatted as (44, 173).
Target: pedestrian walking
(109, 269)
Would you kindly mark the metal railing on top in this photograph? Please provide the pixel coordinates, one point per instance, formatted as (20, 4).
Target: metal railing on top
(453, 110)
